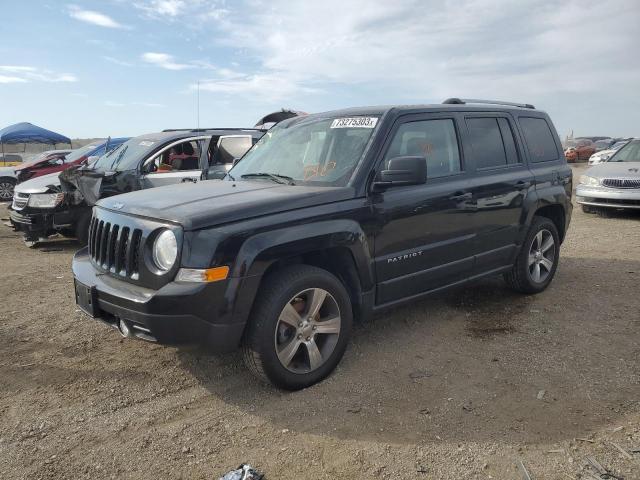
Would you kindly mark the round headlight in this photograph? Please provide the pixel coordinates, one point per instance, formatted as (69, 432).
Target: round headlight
(165, 250)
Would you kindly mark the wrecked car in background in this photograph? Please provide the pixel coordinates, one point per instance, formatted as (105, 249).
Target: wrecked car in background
(59, 160)
(62, 203)
(147, 161)
(9, 178)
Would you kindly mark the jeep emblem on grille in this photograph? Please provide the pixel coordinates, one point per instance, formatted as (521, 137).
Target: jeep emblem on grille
(117, 206)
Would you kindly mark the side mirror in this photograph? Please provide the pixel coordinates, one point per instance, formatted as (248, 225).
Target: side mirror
(402, 171)
(215, 173)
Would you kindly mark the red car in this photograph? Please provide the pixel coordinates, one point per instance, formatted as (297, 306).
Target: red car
(58, 161)
(579, 150)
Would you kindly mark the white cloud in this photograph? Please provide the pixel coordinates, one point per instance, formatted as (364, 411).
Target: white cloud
(93, 17)
(10, 79)
(272, 86)
(199, 12)
(22, 74)
(411, 49)
(171, 8)
(164, 60)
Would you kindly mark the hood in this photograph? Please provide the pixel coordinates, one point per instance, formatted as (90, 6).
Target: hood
(30, 164)
(42, 184)
(215, 202)
(615, 170)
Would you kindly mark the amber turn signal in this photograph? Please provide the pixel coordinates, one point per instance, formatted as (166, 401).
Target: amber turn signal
(207, 275)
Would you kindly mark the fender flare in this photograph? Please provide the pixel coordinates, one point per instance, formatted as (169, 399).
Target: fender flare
(260, 251)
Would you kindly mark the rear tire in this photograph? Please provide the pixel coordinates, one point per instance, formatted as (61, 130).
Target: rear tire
(537, 261)
(299, 328)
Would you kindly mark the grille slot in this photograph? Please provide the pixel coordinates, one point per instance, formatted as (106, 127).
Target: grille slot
(621, 182)
(115, 248)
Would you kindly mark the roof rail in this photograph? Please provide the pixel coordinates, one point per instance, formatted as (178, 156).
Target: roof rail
(463, 101)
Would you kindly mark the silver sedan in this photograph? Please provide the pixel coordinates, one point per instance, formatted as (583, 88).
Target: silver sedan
(614, 184)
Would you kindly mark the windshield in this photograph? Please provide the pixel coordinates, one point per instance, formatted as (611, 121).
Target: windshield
(323, 152)
(629, 153)
(127, 156)
(80, 152)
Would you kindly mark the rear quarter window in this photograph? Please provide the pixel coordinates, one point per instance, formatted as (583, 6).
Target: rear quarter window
(540, 142)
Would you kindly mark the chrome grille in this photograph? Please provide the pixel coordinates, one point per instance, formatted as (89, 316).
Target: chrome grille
(115, 248)
(19, 200)
(621, 182)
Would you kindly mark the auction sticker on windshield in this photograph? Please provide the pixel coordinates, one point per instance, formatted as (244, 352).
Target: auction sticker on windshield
(355, 122)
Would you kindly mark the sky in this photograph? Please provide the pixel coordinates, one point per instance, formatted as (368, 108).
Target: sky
(128, 67)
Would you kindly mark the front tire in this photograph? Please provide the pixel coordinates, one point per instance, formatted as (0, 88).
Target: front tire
(299, 328)
(6, 189)
(537, 261)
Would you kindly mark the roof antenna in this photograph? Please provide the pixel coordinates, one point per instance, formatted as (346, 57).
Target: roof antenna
(198, 107)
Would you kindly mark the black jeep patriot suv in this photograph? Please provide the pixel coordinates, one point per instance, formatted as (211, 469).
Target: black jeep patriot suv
(331, 217)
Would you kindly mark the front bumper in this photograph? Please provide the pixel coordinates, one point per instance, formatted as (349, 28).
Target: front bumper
(176, 313)
(42, 224)
(608, 197)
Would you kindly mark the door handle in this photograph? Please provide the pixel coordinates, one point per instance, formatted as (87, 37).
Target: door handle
(461, 196)
(523, 184)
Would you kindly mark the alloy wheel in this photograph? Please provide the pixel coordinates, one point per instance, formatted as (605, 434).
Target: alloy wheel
(307, 331)
(6, 191)
(542, 255)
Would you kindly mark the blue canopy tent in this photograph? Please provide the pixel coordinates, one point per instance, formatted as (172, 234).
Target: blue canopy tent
(28, 133)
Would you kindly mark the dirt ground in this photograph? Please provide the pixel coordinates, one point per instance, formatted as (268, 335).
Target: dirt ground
(464, 385)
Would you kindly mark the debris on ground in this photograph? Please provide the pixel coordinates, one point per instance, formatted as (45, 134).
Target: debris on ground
(540, 395)
(603, 473)
(621, 450)
(524, 471)
(243, 472)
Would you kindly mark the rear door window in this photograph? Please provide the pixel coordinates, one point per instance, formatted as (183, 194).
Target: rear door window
(229, 148)
(540, 142)
(486, 139)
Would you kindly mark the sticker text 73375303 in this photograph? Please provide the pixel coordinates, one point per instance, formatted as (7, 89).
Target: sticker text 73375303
(355, 122)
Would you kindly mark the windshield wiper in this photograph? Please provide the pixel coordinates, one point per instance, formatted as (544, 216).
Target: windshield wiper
(116, 161)
(283, 179)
